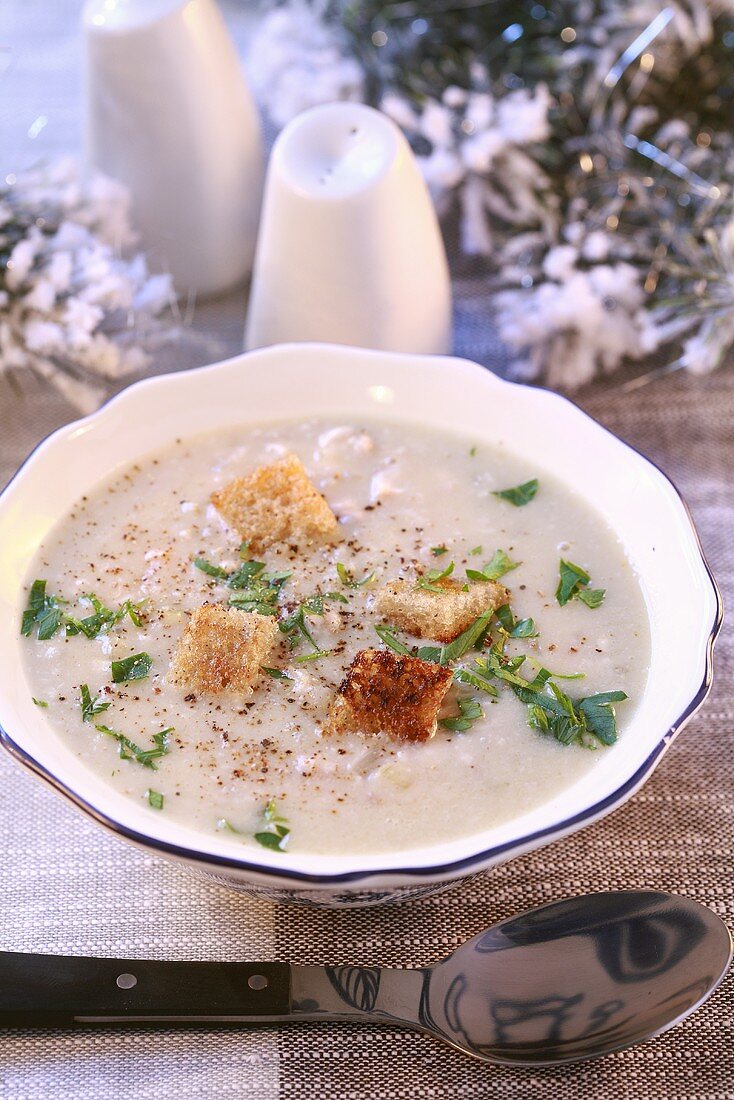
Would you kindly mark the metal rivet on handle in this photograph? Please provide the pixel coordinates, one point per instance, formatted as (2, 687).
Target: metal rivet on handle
(257, 981)
(126, 981)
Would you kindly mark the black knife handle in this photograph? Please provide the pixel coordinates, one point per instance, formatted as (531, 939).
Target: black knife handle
(60, 991)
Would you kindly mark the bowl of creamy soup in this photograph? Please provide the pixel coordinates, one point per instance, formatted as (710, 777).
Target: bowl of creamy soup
(344, 627)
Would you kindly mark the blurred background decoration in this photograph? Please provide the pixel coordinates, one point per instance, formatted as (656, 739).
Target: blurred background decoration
(580, 154)
(583, 149)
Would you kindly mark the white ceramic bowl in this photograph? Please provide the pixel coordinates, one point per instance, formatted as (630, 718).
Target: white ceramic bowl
(634, 497)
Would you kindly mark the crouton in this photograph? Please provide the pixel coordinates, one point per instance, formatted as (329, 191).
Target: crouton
(443, 615)
(276, 503)
(385, 692)
(222, 649)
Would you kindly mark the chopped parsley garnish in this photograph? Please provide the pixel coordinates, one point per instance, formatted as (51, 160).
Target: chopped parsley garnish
(472, 451)
(313, 656)
(155, 799)
(276, 673)
(130, 751)
(254, 589)
(573, 584)
(135, 667)
(211, 570)
(386, 635)
(469, 711)
(91, 707)
(472, 637)
(46, 613)
(223, 824)
(103, 618)
(588, 722)
(347, 578)
(520, 494)
(494, 569)
(466, 676)
(274, 832)
(245, 574)
(43, 611)
(437, 551)
(430, 580)
(295, 626)
(39, 702)
(592, 597)
(476, 550)
(515, 628)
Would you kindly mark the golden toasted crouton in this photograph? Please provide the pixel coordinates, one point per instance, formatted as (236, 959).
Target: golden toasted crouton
(276, 503)
(442, 615)
(385, 692)
(222, 649)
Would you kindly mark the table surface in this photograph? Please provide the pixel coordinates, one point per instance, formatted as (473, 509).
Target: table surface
(68, 887)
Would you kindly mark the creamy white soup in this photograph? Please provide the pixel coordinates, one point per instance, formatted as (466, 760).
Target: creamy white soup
(263, 765)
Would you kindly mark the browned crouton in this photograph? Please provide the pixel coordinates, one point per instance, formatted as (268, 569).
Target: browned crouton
(442, 615)
(276, 503)
(222, 649)
(384, 692)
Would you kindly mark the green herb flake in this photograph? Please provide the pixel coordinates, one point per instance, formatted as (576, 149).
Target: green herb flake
(520, 495)
(135, 667)
(42, 612)
(224, 825)
(494, 569)
(155, 799)
(387, 637)
(472, 451)
(430, 581)
(103, 618)
(275, 673)
(295, 626)
(473, 679)
(471, 638)
(469, 711)
(274, 832)
(572, 584)
(347, 577)
(253, 589)
(210, 569)
(588, 722)
(437, 551)
(39, 702)
(592, 597)
(515, 628)
(475, 550)
(129, 750)
(338, 597)
(90, 707)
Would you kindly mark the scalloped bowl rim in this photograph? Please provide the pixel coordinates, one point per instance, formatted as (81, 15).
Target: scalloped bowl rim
(338, 382)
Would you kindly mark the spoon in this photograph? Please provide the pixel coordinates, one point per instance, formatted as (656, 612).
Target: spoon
(562, 983)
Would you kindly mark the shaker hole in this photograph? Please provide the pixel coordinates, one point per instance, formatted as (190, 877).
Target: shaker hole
(257, 981)
(126, 981)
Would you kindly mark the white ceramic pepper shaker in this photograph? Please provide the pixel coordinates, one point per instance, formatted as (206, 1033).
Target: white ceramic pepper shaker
(349, 249)
(169, 114)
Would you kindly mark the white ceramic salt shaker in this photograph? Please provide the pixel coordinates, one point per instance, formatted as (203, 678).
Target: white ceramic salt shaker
(169, 114)
(349, 249)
